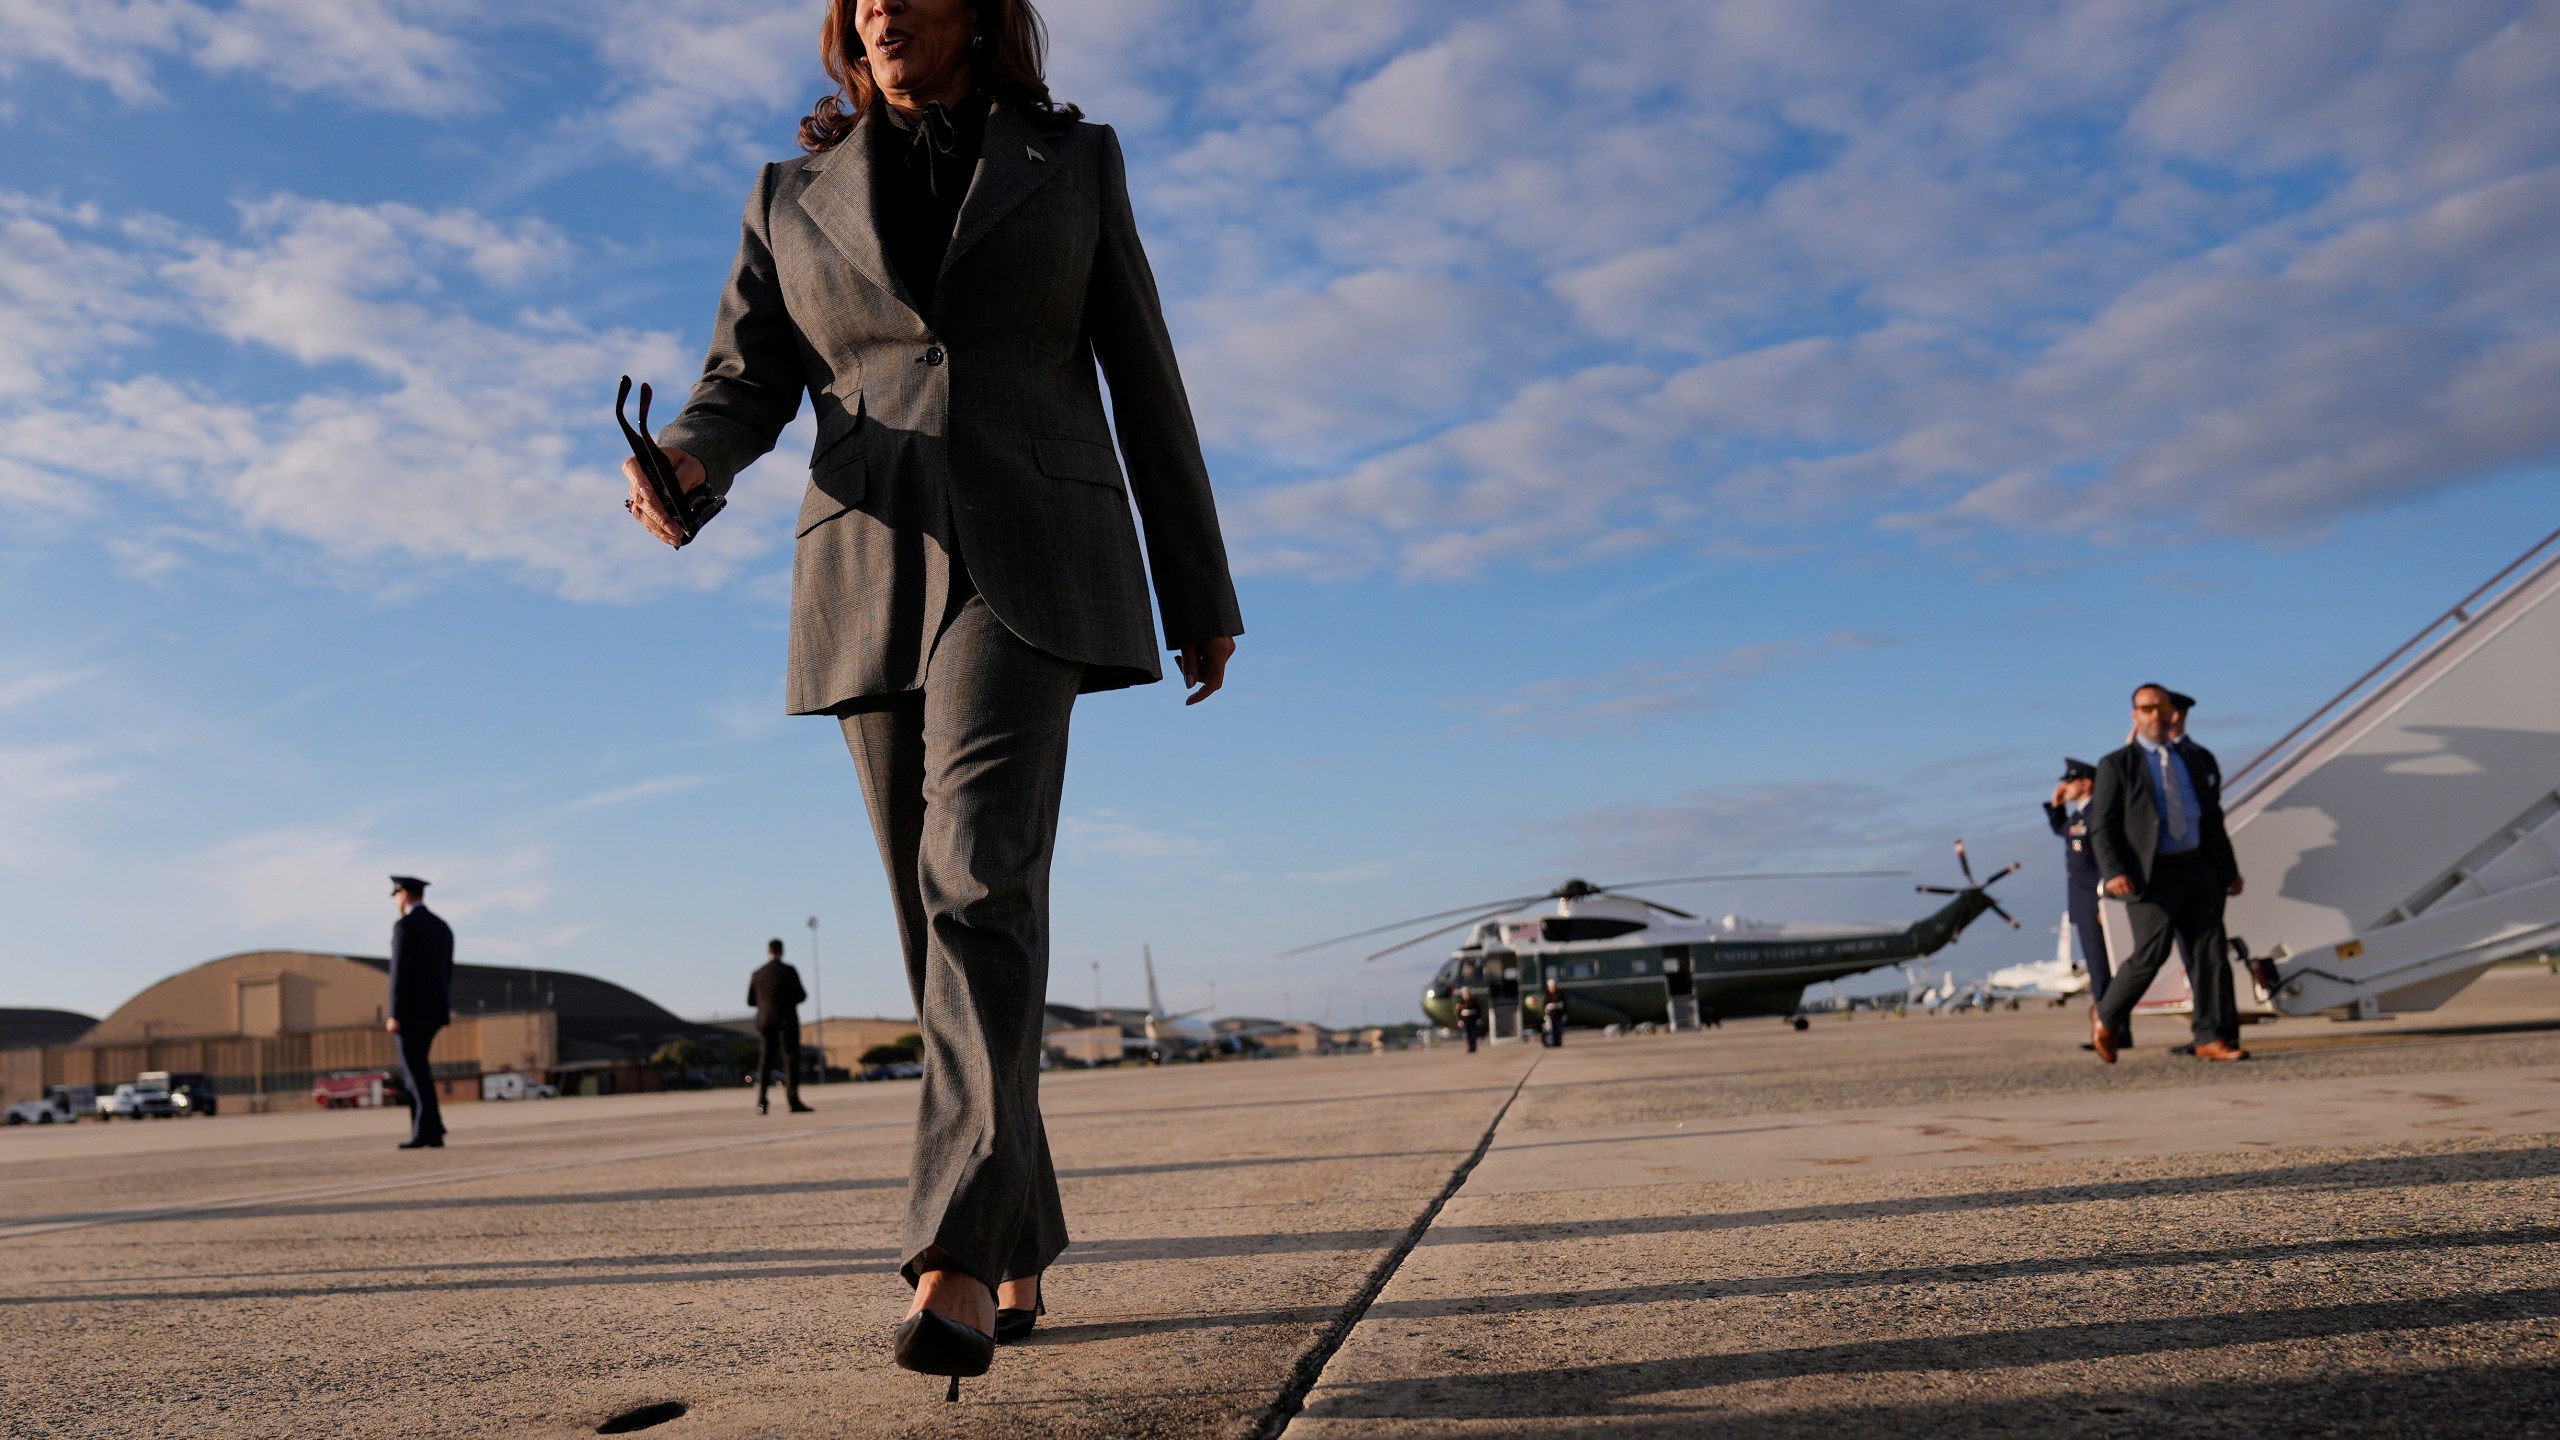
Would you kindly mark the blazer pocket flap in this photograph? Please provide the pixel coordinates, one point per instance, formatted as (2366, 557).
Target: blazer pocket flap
(1070, 459)
(833, 489)
(833, 430)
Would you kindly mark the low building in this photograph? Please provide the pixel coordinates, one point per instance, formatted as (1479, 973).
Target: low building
(842, 1039)
(264, 1023)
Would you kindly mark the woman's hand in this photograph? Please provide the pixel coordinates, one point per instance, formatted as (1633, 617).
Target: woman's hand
(643, 504)
(1204, 664)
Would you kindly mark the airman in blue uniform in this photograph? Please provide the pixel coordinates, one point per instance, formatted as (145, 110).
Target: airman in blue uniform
(421, 1004)
(2068, 813)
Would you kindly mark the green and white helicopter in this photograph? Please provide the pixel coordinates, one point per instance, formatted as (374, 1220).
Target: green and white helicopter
(1621, 959)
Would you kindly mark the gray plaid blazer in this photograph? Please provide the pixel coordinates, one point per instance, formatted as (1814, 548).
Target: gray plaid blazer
(979, 427)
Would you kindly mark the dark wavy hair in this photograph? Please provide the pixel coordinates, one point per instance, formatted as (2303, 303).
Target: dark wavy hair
(1012, 54)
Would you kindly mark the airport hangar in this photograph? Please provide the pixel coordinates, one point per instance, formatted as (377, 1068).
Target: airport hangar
(263, 1024)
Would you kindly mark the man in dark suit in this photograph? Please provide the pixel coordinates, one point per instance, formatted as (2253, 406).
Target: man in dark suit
(2262, 971)
(2068, 814)
(421, 1004)
(2155, 821)
(775, 992)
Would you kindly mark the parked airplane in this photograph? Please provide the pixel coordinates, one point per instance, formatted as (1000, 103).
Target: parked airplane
(2057, 979)
(1187, 1036)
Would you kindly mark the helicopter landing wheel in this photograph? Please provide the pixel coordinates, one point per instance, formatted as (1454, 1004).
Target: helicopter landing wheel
(1801, 1023)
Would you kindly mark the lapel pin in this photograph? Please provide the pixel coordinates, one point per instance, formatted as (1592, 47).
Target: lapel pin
(1034, 154)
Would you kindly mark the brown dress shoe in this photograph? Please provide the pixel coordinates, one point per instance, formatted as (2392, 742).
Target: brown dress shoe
(2220, 1050)
(2099, 1038)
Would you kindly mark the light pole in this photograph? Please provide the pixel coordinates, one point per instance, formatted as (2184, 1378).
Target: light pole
(818, 978)
(1097, 992)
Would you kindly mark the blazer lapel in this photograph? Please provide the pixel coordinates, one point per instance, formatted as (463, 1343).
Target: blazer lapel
(839, 201)
(1014, 160)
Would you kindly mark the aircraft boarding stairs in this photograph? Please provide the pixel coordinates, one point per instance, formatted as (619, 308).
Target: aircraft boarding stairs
(2406, 837)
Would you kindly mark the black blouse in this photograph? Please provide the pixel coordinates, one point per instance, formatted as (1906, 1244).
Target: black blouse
(922, 166)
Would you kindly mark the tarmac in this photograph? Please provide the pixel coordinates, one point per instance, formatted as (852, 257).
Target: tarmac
(1930, 1224)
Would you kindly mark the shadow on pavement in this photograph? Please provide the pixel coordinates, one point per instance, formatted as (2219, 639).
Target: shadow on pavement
(1627, 1389)
(2027, 1268)
(2377, 1172)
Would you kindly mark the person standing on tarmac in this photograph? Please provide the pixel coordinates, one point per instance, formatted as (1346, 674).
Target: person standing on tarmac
(2155, 820)
(2068, 814)
(2262, 971)
(1470, 1017)
(1551, 1010)
(775, 992)
(421, 1004)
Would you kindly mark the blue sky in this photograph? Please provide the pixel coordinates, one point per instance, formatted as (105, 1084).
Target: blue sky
(1653, 439)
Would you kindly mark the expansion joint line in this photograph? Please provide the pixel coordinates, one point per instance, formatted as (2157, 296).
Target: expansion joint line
(1310, 1367)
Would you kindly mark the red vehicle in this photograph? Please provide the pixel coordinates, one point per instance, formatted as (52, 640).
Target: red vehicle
(357, 1090)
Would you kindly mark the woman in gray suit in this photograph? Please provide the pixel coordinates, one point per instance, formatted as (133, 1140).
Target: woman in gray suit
(941, 274)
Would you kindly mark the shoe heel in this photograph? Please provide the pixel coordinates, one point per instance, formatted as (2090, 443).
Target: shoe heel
(952, 1395)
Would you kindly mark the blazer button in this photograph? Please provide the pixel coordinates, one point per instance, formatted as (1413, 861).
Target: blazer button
(933, 355)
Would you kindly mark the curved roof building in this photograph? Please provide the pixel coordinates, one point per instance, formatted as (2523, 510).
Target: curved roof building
(274, 992)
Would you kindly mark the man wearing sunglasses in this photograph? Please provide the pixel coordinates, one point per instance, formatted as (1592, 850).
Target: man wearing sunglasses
(2155, 821)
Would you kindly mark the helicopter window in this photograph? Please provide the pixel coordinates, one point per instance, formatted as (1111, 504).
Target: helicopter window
(1644, 967)
(1582, 970)
(1557, 928)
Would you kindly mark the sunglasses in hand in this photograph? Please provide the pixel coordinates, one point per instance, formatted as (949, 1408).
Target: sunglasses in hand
(689, 512)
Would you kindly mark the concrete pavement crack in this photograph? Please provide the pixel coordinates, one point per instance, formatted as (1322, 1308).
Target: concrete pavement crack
(1310, 1367)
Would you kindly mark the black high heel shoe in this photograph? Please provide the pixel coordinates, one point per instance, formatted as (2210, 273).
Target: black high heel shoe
(931, 1344)
(1015, 1326)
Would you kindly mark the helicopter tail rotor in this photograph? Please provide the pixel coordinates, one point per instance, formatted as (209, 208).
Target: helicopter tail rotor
(1972, 886)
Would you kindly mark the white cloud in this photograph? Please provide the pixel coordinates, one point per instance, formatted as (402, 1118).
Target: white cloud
(1457, 285)
(318, 880)
(442, 420)
(1648, 691)
(1785, 826)
(663, 785)
(385, 54)
(66, 292)
(2084, 267)
(1116, 837)
(707, 75)
(1324, 373)
(41, 790)
(35, 686)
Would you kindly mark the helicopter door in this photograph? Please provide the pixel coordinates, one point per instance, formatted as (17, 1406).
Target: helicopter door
(1680, 987)
(1502, 995)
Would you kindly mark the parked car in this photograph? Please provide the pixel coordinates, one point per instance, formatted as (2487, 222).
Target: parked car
(358, 1090)
(516, 1085)
(61, 1105)
(135, 1101)
(903, 1070)
(192, 1090)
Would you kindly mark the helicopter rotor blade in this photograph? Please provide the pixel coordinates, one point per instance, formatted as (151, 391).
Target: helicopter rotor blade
(2013, 869)
(2003, 914)
(1427, 934)
(1965, 862)
(1480, 908)
(1938, 889)
(1619, 885)
(1488, 908)
(1658, 905)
